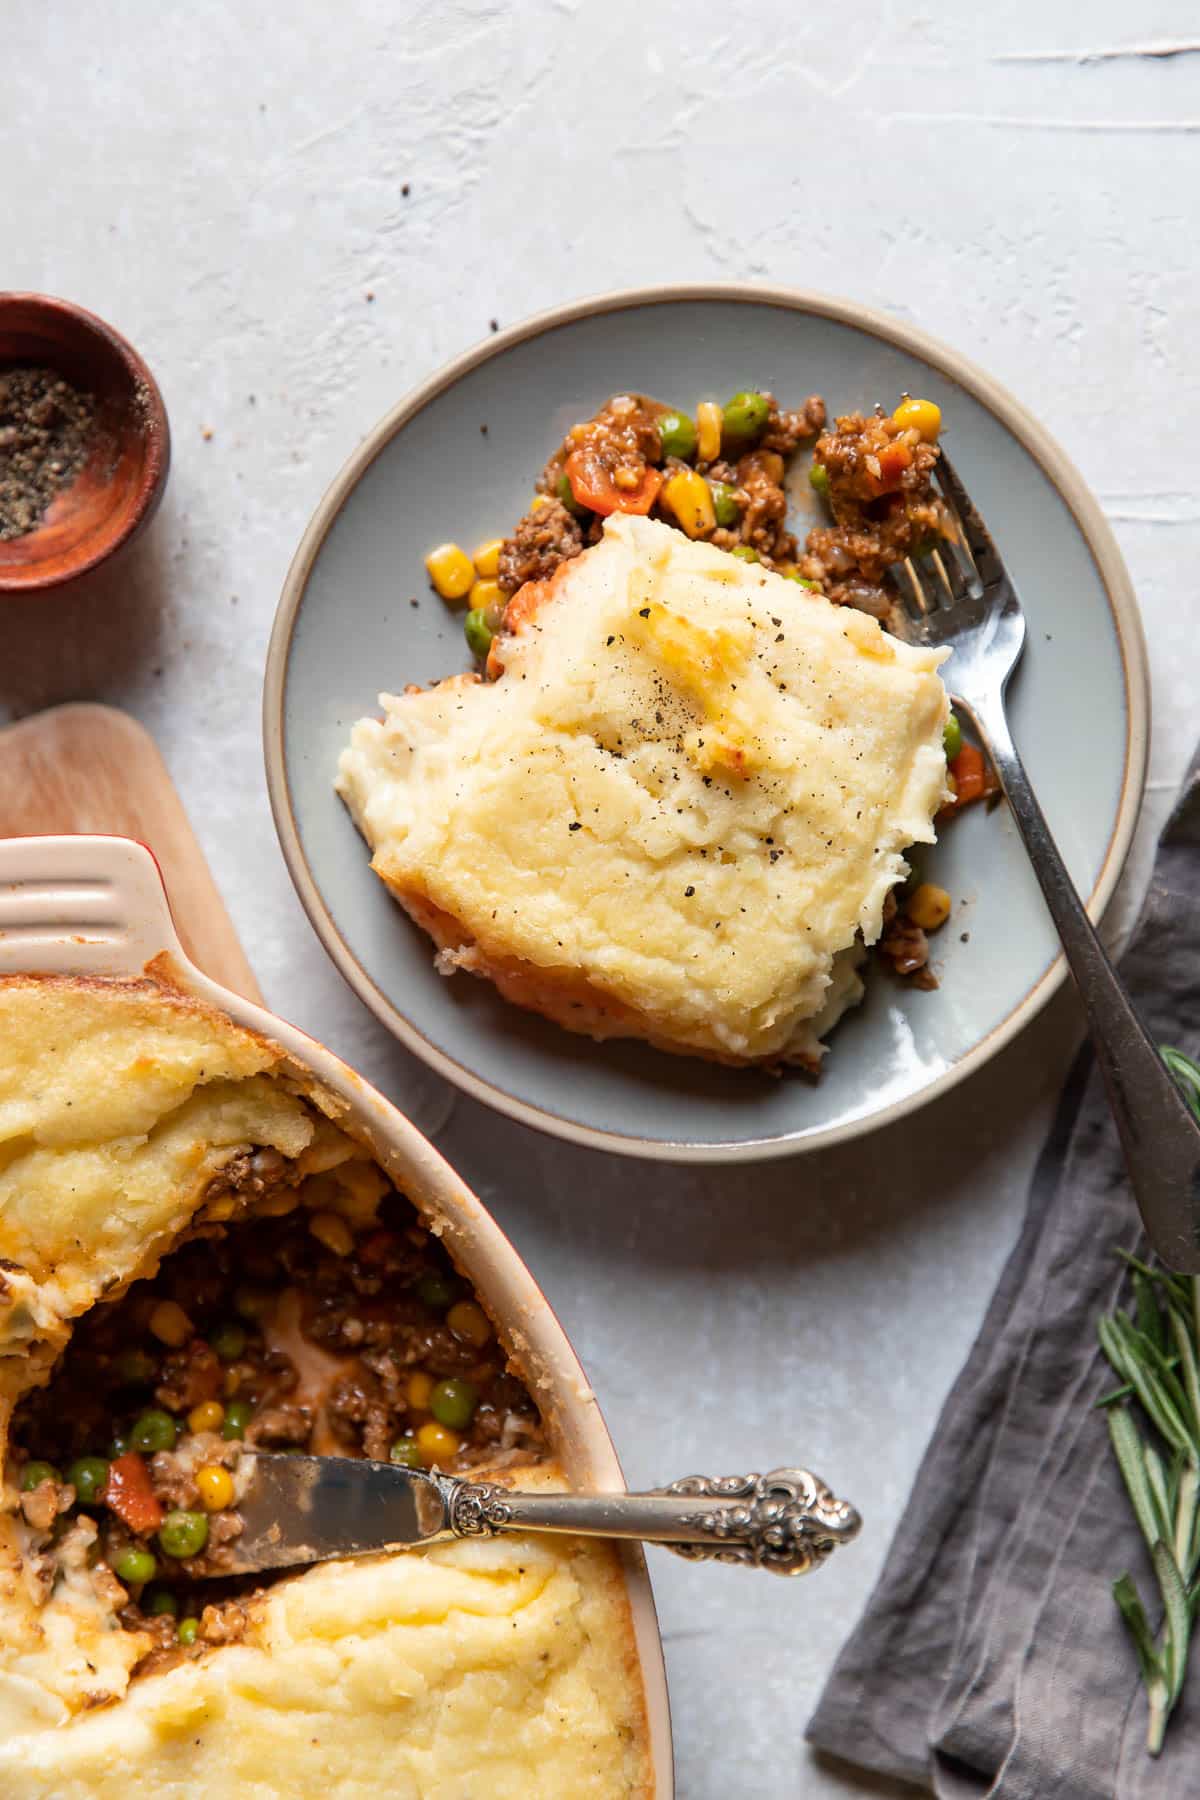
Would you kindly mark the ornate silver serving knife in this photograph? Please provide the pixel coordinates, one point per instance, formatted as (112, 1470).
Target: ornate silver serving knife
(308, 1509)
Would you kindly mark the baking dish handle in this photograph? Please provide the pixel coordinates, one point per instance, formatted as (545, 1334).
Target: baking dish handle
(82, 905)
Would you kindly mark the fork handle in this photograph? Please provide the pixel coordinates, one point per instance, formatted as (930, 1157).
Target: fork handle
(1159, 1135)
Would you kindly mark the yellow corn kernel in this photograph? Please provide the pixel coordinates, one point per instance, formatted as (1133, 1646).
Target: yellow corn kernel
(216, 1487)
(485, 594)
(170, 1324)
(437, 1444)
(487, 557)
(208, 1416)
(708, 431)
(450, 570)
(928, 906)
(690, 498)
(420, 1387)
(331, 1229)
(469, 1321)
(538, 501)
(276, 1205)
(923, 416)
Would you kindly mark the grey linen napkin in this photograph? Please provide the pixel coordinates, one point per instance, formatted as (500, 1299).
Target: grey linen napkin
(991, 1658)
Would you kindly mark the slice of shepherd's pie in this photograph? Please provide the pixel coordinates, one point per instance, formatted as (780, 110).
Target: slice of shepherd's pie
(675, 808)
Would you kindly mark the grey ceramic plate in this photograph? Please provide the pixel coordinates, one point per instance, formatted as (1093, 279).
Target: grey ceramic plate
(346, 628)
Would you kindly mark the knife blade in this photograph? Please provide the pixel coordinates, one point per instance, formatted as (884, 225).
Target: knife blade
(306, 1509)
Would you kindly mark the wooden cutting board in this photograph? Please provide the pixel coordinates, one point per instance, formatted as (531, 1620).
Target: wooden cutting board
(93, 768)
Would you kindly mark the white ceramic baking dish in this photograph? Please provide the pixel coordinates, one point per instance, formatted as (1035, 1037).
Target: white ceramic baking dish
(97, 906)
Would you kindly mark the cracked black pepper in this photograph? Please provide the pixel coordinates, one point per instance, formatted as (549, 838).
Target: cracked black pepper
(46, 428)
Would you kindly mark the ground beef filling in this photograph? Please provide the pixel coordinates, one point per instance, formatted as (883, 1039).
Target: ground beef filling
(621, 449)
(904, 946)
(873, 473)
(544, 538)
(876, 476)
(295, 1329)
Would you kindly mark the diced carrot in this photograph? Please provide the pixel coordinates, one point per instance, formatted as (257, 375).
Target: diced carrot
(969, 770)
(377, 1247)
(593, 487)
(128, 1493)
(893, 459)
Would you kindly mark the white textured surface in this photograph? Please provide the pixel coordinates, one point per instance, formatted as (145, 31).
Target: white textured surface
(225, 184)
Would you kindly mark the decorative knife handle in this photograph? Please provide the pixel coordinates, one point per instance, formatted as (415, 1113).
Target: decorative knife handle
(786, 1521)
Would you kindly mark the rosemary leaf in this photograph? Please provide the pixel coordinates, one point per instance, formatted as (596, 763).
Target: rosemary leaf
(1128, 1447)
(1178, 1464)
(1157, 1482)
(1149, 1313)
(1155, 1403)
(1155, 1354)
(1186, 1498)
(1142, 1349)
(1125, 1391)
(1177, 1286)
(1134, 1614)
(1190, 1373)
(1177, 1623)
(1186, 1073)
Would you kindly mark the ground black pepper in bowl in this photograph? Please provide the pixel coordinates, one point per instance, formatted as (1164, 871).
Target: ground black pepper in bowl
(46, 430)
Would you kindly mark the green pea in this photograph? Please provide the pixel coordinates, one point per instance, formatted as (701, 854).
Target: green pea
(725, 504)
(677, 435)
(802, 580)
(153, 1430)
(228, 1340)
(744, 418)
(744, 553)
(134, 1565)
(135, 1368)
(183, 1533)
(916, 870)
(818, 478)
(404, 1451)
(34, 1473)
(952, 737)
(251, 1303)
(238, 1415)
(566, 494)
(453, 1402)
(188, 1631)
(162, 1603)
(88, 1475)
(477, 632)
(437, 1289)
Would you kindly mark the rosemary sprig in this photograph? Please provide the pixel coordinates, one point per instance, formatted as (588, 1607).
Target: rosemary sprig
(1155, 1353)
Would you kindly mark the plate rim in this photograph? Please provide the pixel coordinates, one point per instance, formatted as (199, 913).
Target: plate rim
(1058, 469)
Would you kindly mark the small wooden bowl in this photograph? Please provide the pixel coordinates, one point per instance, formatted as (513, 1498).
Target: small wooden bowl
(116, 492)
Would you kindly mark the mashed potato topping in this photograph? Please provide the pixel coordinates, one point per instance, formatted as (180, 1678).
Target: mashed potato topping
(502, 1668)
(677, 810)
(469, 1669)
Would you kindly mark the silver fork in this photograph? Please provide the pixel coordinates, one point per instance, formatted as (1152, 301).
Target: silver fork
(961, 598)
